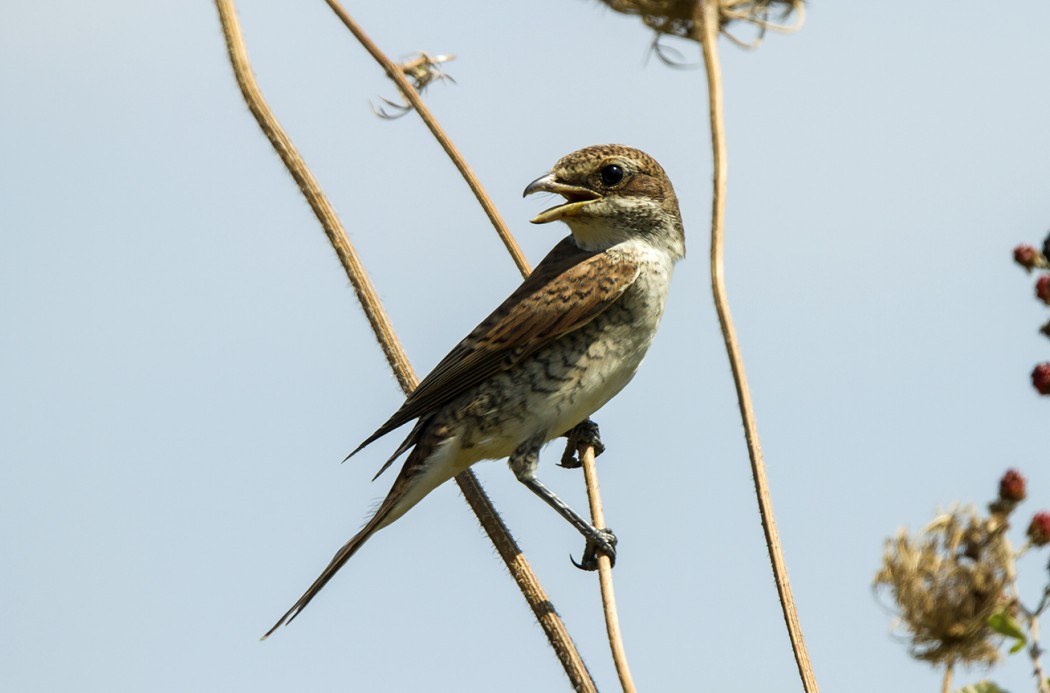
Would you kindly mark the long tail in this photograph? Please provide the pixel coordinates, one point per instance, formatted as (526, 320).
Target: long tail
(340, 558)
(420, 475)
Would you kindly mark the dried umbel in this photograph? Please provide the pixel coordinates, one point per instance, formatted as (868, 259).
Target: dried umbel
(946, 582)
(676, 17)
(420, 71)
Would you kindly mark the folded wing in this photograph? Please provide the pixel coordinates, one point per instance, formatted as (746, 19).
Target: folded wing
(567, 290)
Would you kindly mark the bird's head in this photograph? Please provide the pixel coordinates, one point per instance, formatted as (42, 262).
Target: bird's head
(613, 194)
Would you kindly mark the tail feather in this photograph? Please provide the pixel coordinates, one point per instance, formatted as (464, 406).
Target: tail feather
(412, 484)
(382, 431)
(340, 559)
(412, 439)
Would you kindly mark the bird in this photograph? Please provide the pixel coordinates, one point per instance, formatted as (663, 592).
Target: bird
(566, 341)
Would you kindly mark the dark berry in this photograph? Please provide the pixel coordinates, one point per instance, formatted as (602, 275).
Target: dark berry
(1041, 378)
(1012, 486)
(1039, 530)
(1042, 289)
(1025, 256)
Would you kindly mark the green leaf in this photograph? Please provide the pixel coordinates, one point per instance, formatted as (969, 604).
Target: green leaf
(1003, 623)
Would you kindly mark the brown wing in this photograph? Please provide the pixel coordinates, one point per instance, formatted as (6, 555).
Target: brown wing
(566, 291)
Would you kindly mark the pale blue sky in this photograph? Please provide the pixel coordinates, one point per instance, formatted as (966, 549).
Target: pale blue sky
(183, 364)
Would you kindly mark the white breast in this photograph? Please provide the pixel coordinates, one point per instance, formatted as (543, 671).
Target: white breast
(616, 354)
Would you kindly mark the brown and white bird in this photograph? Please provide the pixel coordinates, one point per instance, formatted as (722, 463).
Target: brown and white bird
(561, 346)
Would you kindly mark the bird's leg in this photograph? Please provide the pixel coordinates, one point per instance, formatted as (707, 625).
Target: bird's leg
(523, 463)
(584, 433)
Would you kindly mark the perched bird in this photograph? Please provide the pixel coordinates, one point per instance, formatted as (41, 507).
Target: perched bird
(561, 346)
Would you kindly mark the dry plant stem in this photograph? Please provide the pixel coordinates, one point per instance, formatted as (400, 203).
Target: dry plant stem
(490, 520)
(366, 293)
(1035, 652)
(946, 685)
(394, 73)
(529, 584)
(707, 20)
(593, 492)
(612, 621)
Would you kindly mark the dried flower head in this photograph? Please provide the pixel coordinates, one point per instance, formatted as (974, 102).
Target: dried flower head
(946, 582)
(420, 71)
(676, 17)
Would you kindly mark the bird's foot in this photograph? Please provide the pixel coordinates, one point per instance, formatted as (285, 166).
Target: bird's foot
(584, 433)
(604, 542)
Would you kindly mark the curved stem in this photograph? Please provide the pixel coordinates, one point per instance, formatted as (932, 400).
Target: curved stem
(707, 20)
(395, 73)
(612, 620)
(519, 568)
(322, 209)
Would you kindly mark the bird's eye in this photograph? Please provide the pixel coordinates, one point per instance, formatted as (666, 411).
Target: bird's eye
(611, 174)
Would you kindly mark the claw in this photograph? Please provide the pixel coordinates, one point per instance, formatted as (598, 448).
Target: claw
(605, 543)
(584, 433)
(589, 563)
(568, 458)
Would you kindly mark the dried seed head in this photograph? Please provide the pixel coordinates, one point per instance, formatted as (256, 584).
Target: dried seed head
(946, 582)
(420, 70)
(676, 17)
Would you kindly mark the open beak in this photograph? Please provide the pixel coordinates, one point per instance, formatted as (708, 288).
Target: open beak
(575, 196)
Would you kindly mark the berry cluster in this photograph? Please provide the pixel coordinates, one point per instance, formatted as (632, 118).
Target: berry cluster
(1031, 258)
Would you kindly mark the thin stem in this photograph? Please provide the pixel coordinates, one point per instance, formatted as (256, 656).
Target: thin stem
(1036, 653)
(355, 271)
(612, 620)
(707, 20)
(395, 73)
(946, 684)
(490, 520)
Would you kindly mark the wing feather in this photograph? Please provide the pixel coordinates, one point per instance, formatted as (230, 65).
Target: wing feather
(568, 289)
